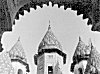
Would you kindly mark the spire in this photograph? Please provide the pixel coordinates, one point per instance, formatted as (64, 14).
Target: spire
(80, 43)
(49, 26)
(49, 40)
(90, 44)
(80, 38)
(49, 22)
(19, 38)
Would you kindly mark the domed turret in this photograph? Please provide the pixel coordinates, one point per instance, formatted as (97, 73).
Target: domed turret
(17, 51)
(81, 48)
(50, 57)
(18, 58)
(49, 41)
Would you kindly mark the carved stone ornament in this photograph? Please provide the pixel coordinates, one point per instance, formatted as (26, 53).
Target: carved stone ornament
(10, 10)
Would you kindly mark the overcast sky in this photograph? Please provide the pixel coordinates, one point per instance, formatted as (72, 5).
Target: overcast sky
(65, 24)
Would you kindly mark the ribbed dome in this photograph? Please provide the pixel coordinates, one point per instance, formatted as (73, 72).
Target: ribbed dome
(95, 58)
(17, 52)
(82, 48)
(49, 41)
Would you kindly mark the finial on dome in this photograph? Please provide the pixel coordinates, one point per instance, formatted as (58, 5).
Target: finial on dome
(19, 38)
(49, 40)
(49, 26)
(79, 38)
(90, 42)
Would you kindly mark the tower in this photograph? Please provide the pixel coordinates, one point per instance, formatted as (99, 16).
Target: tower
(18, 59)
(50, 57)
(80, 57)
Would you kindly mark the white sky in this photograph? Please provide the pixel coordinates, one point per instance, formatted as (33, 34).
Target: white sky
(65, 24)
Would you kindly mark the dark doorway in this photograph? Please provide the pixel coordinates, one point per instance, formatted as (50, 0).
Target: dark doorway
(20, 71)
(80, 71)
(50, 70)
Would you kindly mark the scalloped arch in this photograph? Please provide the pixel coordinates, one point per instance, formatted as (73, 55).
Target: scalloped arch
(10, 10)
(88, 8)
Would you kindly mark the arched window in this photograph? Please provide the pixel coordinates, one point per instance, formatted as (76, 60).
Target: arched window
(20, 71)
(80, 71)
(50, 70)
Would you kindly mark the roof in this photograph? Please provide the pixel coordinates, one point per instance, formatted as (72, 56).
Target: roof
(17, 51)
(95, 58)
(49, 41)
(82, 48)
(94, 61)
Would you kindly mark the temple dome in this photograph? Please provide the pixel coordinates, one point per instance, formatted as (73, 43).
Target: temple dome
(17, 51)
(82, 48)
(49, 41)
(95, 58)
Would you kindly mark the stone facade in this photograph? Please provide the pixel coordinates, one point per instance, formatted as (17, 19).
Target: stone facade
(5, 64)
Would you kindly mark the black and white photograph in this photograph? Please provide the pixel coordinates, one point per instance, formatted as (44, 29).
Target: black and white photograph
(49, 36)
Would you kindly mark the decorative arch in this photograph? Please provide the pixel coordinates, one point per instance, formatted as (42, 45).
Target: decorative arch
(10, 10)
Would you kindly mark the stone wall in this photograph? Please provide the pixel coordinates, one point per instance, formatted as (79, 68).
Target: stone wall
(5, 64)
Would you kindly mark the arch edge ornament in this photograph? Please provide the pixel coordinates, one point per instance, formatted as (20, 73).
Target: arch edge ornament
(10, 10)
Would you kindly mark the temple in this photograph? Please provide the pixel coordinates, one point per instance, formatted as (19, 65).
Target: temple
(18, 59)
(11, 9)
(50, 57)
